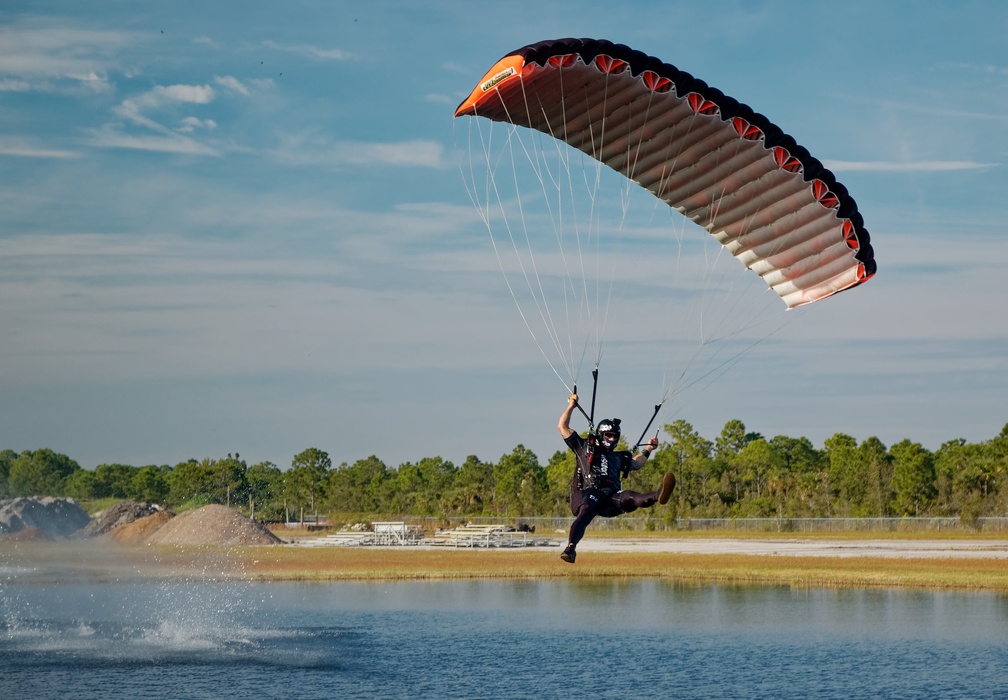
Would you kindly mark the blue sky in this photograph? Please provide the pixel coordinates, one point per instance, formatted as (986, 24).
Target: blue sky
(241, 227)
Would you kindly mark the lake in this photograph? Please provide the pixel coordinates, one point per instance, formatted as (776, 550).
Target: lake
(495, 639)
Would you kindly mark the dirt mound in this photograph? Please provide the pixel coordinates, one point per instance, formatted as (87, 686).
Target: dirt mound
(138, 530)
(53, 517)
(213, 524)
(121, 513)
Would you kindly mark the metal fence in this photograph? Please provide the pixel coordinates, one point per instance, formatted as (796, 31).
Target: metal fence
(944, 524)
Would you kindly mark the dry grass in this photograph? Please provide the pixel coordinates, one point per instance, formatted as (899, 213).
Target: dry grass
(51, 561)
(349, 564)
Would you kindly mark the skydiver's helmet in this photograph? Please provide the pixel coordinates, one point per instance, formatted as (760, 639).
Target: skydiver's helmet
(608, 433)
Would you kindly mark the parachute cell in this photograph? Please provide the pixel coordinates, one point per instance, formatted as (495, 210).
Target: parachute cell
(761, 195)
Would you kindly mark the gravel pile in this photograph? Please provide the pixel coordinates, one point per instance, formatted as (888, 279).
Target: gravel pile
(122, 513)
(139, 529)
(212, 525)
(129, 522)
(50, 517)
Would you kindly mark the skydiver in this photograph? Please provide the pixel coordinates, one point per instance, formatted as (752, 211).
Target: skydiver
(595, 485)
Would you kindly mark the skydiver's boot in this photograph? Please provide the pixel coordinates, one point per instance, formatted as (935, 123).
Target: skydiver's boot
(667, 484)
(569, 554)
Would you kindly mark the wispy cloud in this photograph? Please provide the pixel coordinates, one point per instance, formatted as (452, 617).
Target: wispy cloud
(920, 166)
(229, 82)
(416, 153)
(166, 142)
(35, 54)
(310, 51)
(12, 85)
(167, 139)
(29, 149)
(164, 94)
(190, 124)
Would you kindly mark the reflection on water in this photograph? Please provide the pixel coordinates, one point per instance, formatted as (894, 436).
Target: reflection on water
(495, 639)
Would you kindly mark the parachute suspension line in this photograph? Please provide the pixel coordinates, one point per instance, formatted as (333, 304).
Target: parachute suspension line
(507, 280)
(536, 159)
(737, 320)
(673, 387)
(542, 298)
(581, 300)
(576, 276)
(491, 187)
(586, 311)
(632, 152)
(484, 214)
(529, 269)
(602, 284)
(598, 143)
(603, 308)
(537, 292)
(708, 298)
(720, 369)
(583, 246)
(553, 182)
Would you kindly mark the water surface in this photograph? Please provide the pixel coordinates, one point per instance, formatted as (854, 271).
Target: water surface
(496, 639)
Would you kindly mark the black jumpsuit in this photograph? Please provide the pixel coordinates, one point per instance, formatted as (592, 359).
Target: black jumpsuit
(596, 488)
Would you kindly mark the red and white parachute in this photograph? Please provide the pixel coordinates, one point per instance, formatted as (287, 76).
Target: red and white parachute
(756, 192)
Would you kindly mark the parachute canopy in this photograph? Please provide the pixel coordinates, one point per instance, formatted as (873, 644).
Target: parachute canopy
(761, 195)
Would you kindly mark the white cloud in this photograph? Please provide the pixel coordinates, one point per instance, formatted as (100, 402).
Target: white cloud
(231, 83)
(57, 52)
(134, 110)
(130, 110)
(92, 81)
(158, 97)
(195, 94)
(190, 124)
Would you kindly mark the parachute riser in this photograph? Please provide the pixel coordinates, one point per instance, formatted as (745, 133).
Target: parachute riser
(654, 415)
(591, 425)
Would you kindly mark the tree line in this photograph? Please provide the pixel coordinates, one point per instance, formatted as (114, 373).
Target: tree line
(738, 474)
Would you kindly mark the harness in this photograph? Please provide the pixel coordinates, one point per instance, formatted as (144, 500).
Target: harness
(599, 479)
